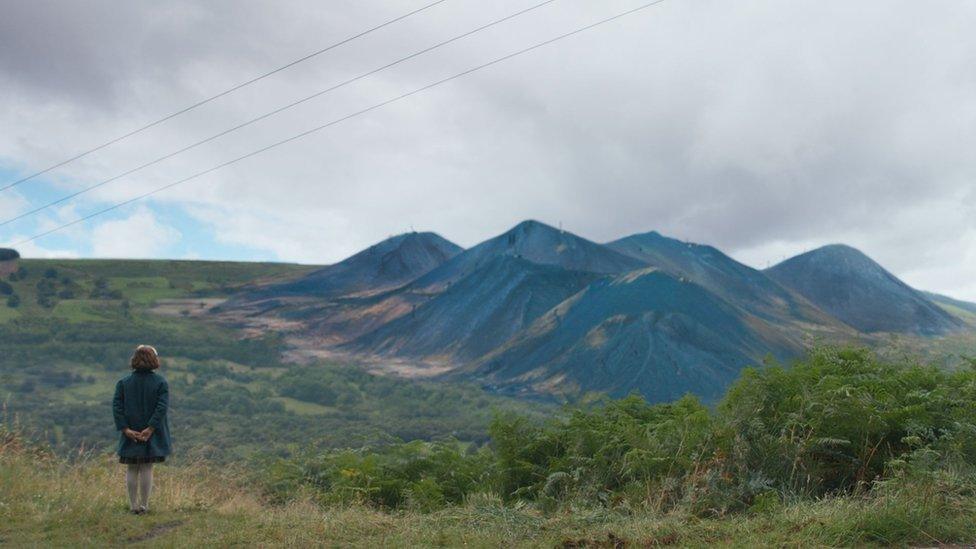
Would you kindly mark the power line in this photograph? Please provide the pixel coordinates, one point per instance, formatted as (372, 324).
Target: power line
(273, 112)
(342, 119)
(221, 94)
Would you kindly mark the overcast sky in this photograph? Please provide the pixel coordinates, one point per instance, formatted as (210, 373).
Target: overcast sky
(765, 128)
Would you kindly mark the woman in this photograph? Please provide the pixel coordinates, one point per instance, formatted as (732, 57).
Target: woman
(140, 405)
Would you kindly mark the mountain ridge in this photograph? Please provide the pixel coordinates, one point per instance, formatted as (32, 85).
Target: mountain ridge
(537, 309)
(536, 242)
(528, 243)
(721, 274)
(382, 266)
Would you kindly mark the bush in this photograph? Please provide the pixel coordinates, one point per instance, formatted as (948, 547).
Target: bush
(309, 391)
(840, 422)
(416, 475)
(101, 290)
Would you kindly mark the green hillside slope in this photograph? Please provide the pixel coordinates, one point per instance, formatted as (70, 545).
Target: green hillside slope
(75, 322)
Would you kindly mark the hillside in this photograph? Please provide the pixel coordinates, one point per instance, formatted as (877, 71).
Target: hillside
(852, 287)
(80, 290)
(964, 310)
(340, 302)
(643, 331)
(68, 339)
(476, 314)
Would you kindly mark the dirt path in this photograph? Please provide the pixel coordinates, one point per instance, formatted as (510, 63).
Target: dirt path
(156, 531)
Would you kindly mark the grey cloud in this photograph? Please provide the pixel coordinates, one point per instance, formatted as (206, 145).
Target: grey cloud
(754, 126)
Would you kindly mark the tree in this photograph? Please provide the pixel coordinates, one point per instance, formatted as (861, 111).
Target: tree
(101, 290)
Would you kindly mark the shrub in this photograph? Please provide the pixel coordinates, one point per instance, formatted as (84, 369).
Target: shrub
(836, 421)
(417, 475)
(839, 422)
(101, 290)
(309, 391)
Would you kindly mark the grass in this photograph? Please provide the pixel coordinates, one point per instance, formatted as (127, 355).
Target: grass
(6, 313)
(146, 290)
(304, 408)
(142, 282)
(81, 310)
(49, 501)
(179, 271)
(965, 315)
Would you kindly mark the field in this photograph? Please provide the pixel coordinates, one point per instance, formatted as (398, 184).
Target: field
(67, 340)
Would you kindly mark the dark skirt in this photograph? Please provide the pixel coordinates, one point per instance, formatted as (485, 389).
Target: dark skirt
(137, 460)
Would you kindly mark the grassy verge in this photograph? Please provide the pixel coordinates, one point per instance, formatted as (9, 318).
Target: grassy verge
(45, 500)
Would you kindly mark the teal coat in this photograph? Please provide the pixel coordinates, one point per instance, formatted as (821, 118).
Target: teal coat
(142, 400)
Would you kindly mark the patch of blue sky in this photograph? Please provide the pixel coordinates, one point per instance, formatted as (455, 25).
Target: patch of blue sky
(198, 239)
